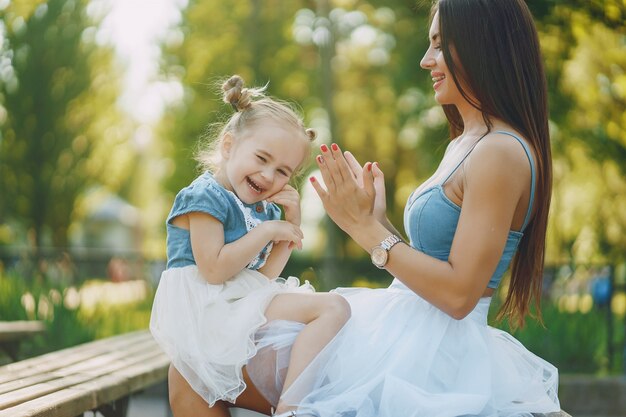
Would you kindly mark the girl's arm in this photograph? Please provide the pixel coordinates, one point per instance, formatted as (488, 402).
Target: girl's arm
(277, 260)
(289, 199)
(217, 261)
(496, 176)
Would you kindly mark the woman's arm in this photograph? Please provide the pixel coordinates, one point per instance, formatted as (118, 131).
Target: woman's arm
(496, 175)
(217, 261)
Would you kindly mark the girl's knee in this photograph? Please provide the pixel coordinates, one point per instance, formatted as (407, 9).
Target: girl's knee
(338, 307)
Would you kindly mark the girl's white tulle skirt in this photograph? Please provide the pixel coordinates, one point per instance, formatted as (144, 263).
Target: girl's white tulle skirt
(399, 356)
(208, 330)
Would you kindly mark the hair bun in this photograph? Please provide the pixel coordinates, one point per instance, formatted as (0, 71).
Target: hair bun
(311, 134)
(235, 95)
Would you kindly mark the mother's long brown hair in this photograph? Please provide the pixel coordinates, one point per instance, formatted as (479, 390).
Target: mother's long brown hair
(497, 53)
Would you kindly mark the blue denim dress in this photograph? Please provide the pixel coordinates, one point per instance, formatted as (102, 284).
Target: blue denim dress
(206, 195)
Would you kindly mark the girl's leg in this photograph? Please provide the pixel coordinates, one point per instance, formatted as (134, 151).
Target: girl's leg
(324, 315)
(185, 402)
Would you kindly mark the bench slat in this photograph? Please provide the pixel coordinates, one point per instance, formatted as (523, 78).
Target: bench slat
(106, 344)
(96, 392)
(67, 357)
(129, 355)
(60, 403)
(69, 379)
(12, 330)
(147, 351)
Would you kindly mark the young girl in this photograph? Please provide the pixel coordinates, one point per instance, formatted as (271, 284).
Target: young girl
(226, 246)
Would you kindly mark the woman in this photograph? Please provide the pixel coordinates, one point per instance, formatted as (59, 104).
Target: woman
(422, 346)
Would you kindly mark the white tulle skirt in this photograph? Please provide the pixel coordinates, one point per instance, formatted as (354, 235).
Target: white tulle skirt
(208, 330)
(399, 356)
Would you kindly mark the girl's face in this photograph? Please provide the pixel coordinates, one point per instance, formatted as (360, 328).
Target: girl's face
(446, 91)
(261, 161)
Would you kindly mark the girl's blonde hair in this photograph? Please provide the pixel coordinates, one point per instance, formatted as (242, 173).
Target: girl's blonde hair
(251, 106)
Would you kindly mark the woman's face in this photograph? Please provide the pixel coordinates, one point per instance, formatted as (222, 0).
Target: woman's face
(446, 91)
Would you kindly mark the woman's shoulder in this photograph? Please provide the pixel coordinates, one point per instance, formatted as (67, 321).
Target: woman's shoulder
(509, 147)
(501, 155)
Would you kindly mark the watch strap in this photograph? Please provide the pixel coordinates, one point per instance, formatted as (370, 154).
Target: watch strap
(389, 242)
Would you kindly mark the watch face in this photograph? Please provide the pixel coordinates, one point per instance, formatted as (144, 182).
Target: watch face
(379, 256)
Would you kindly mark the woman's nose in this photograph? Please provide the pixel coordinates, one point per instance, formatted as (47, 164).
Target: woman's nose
(428, 60)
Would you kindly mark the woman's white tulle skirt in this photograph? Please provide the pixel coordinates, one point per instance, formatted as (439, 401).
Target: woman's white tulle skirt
(208, 330)
(399, 356)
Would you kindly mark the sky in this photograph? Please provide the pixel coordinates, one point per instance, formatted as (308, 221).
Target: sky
(136, 28)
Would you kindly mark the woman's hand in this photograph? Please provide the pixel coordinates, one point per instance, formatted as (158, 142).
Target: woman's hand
(349, 197)
(289, 198)
(380, 201)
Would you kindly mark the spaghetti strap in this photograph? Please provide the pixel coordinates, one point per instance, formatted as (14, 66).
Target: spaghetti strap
(464, 158)
(531, 200)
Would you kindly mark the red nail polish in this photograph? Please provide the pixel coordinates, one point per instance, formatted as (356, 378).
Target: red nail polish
(319, 158)
(312, 179)
(324, 148)
(334, 146)
(369, 167)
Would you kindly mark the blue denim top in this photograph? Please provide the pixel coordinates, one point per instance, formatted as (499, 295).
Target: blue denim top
(430, 221)
(206, 195)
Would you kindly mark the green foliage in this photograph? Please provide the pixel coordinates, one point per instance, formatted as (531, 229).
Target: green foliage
(11, 290)
(57, 96)
(573, 342)
(68, 323)
(249, 38)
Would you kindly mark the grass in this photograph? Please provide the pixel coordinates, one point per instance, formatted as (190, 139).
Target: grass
(72, 316)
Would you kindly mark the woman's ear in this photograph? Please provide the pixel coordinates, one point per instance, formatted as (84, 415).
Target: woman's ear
(226, 145)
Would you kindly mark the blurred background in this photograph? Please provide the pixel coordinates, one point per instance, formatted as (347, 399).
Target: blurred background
(104, 102)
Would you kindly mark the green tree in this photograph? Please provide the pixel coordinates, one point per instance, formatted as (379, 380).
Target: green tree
(59, 123)
(583, 44)
(249, 37)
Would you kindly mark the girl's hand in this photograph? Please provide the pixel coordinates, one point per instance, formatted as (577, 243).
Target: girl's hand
(284, 231)
(289, 198)
(347, 202)
(380, 201)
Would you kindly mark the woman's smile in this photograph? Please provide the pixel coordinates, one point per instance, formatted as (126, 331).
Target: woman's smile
(437, 78)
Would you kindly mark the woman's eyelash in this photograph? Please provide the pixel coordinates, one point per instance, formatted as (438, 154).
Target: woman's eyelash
(261, 158)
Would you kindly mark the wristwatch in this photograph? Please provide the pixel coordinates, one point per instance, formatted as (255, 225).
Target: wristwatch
(380, 253)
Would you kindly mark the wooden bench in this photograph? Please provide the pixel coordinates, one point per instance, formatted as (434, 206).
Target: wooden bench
(99, 375)
(13, 332)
